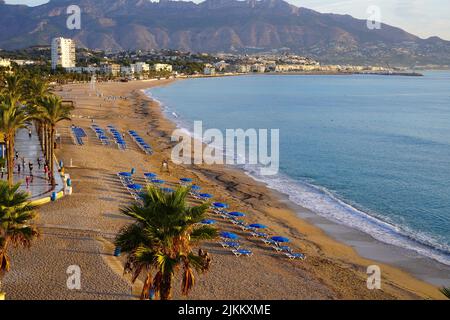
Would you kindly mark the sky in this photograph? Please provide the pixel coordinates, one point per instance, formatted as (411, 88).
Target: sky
(424, 18)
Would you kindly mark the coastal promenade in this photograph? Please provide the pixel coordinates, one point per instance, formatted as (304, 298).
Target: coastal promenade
(29, 151)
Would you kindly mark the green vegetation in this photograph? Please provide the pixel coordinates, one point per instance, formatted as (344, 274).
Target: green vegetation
(445, 291)
(25, 96)
(16, 214)
(160, 241)
(13, 116)
(51, 110)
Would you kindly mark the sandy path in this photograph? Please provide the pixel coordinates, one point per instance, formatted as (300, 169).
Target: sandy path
(40, 273)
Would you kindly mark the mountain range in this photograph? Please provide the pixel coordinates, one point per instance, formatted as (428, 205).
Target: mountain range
(219, 26)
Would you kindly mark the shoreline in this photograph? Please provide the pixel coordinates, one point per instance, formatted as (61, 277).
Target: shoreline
(332, 270)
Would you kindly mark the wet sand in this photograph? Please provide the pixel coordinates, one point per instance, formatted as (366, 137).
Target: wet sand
(332, 270)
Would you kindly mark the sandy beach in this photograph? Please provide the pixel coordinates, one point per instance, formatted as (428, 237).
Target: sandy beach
(79, 229)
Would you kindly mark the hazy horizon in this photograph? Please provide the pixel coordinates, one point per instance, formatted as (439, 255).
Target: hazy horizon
(424, 18)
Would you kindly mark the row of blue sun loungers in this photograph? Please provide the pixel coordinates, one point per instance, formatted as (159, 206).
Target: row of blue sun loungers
(101, 134)
(119, 140)
(140, 142)
(252, 230)
(133, 188)
(235, 248)
(219, 209)
(78, 135)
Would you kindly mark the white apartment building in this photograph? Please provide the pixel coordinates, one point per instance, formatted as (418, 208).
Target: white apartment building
(221, 66)
(24, 62)
(89, 69)
(158, 67)
(63, 53)
(127, 70)
(110, 68)
(209, 70)
(260, 68)
(5, 63)
(140, 67)
(243, 68)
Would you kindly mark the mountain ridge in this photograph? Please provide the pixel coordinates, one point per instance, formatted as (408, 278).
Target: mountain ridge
(219, 26)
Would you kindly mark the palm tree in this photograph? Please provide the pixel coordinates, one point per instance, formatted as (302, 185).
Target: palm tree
(37, 89)
(16, 214)
(161, 238)
(52, 111)
(12, 85)
(445, 291)
(13, 116)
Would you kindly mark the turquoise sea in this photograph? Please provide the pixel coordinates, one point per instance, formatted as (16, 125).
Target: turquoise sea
(369, 152)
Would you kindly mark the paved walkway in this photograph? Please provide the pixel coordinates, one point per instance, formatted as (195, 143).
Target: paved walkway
(30, 150)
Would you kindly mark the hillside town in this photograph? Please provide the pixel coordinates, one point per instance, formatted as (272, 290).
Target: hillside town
(64, 57)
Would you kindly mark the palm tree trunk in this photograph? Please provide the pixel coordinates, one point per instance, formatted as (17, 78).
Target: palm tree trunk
(52, 153)
(44, 145)
(10, 159)
(49, 148)
(3, 256)
(166, 287)
(44, 140)
(145, 295)
(39, 133)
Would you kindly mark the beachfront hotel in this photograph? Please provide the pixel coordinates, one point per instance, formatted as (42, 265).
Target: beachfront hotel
(158, 67)
(63, 53)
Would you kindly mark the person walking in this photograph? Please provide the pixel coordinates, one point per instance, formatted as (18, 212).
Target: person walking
(50, 177)
(30, 166)
(39, 162)
(27, 180)
(29, 133)
(165, 166)
(18, 168)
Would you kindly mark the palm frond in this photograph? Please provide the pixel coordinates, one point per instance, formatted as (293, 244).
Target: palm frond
(188, 281)
(160, 239)
(204, 233)
(445, 291)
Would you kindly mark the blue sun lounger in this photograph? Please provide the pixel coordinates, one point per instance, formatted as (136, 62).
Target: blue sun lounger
(242, 252)
(78, 134)
(230, 244)
(294, 256)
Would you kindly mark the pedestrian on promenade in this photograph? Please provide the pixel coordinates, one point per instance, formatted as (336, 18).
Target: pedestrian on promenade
(29, 133)
(17, 155)
(18, 168)
(50, 177)
(23, 163)
(39, 162)
(2, 169)
(165, 166)
(30, 166)
(46, 169)
(27, 180)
